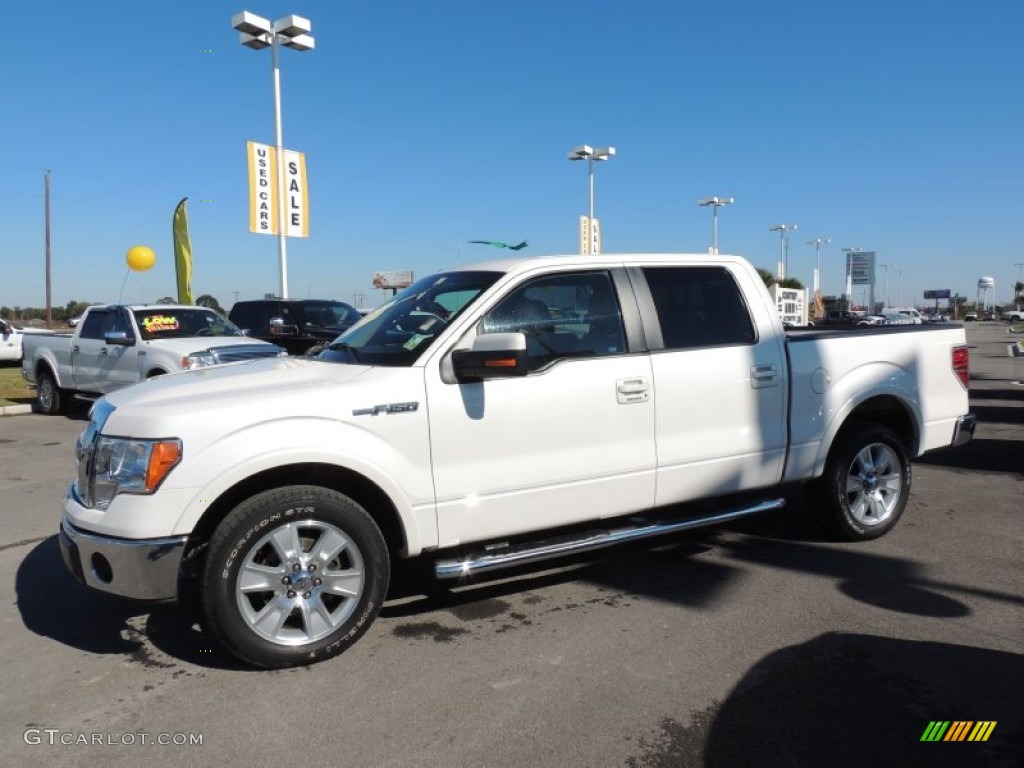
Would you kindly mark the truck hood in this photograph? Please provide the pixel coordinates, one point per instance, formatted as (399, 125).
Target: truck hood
(255, 390)
(190, 344)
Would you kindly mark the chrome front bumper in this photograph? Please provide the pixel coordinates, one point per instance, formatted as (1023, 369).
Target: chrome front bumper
(964, 429)
(144, 569)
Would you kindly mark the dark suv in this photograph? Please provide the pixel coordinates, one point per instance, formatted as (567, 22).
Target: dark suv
(295, 324)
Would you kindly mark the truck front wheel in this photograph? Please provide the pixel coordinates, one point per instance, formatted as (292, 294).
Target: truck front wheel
(51, 398)
(293, 576)
(866, 483)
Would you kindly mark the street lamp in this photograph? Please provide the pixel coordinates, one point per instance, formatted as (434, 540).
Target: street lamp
(782, 229)
(715, 203)
(886, 268)
(588, 153)
(257, 33)
(817, 243)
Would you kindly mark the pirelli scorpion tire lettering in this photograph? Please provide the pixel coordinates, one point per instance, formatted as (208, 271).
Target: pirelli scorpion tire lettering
(293, 576)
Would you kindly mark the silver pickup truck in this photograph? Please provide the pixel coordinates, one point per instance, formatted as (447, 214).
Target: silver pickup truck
(114, 346)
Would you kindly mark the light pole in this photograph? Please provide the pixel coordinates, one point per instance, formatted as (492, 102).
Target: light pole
(886, 268)
(782, 229)
(817, 243)
(715, 203)
(1020, 279)
(899, 285)
(588, 153)
(257, 33)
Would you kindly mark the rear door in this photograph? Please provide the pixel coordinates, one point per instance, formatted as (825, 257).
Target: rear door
(719, 379)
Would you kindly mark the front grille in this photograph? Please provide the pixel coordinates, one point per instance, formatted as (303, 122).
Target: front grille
(236, 352)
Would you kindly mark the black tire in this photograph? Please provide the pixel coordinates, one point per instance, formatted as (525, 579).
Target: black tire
(281, 542)
(50, 399)
(866, 483)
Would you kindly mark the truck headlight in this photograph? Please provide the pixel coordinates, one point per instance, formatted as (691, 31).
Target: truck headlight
(123, 465)
(198, 360)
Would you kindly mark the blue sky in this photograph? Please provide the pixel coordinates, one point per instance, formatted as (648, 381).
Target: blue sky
(890, 125)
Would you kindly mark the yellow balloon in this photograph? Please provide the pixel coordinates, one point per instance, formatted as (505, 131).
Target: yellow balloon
(140, 258)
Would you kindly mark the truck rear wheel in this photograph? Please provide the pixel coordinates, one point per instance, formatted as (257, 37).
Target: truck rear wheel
(866, 483)
(50, 398)
(293, 576)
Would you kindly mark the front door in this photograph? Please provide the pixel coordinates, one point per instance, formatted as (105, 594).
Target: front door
(571, 441)
(98, 366)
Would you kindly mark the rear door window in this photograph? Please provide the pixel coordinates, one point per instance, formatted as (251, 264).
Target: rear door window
(699, 307)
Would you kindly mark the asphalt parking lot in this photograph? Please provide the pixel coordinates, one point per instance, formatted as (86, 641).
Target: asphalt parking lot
(762, 643)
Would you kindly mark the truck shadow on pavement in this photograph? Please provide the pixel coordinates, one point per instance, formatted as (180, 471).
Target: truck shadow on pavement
(980, 455)
(54, 605)
(696, 572)
(850, 700)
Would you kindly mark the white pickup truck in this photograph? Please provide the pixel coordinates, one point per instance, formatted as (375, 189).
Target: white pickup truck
(10, 342)
(490, 416)
(114, 346)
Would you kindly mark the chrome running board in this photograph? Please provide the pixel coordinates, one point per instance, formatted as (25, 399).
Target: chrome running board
(494, 558)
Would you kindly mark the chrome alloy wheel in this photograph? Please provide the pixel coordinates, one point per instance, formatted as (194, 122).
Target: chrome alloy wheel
(300, 582)
(874, 484)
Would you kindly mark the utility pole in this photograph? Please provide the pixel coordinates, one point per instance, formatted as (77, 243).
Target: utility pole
(49, 305)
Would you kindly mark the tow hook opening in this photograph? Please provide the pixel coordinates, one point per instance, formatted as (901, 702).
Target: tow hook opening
(101, 568)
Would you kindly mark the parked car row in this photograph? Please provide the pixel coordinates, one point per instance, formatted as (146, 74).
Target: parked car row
(114, 346)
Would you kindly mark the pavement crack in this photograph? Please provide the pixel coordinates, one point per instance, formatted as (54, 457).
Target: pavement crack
(24, 542)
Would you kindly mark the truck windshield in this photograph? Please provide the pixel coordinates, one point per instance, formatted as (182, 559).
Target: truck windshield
(182, 323)
(399, 331)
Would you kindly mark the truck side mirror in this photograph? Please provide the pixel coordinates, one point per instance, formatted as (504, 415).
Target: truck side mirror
(118, 339)
(492, 356)
(278, 328)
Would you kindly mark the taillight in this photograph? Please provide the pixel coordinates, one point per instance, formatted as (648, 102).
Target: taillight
(962, 364)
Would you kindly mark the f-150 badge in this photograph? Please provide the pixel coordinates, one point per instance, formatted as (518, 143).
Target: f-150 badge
(388, 408)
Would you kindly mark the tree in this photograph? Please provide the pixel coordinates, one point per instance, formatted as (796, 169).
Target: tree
(768, 277)
(167, 300)
(74, 309)
(790, 282)
(1018, 289)
(208, 301)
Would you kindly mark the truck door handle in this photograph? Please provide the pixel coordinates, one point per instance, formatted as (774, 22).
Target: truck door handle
(103, 351)
(75, 348)
(632, 390)
(762, 376)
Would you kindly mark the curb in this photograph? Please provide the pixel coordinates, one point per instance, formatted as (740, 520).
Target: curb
(15, 410)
